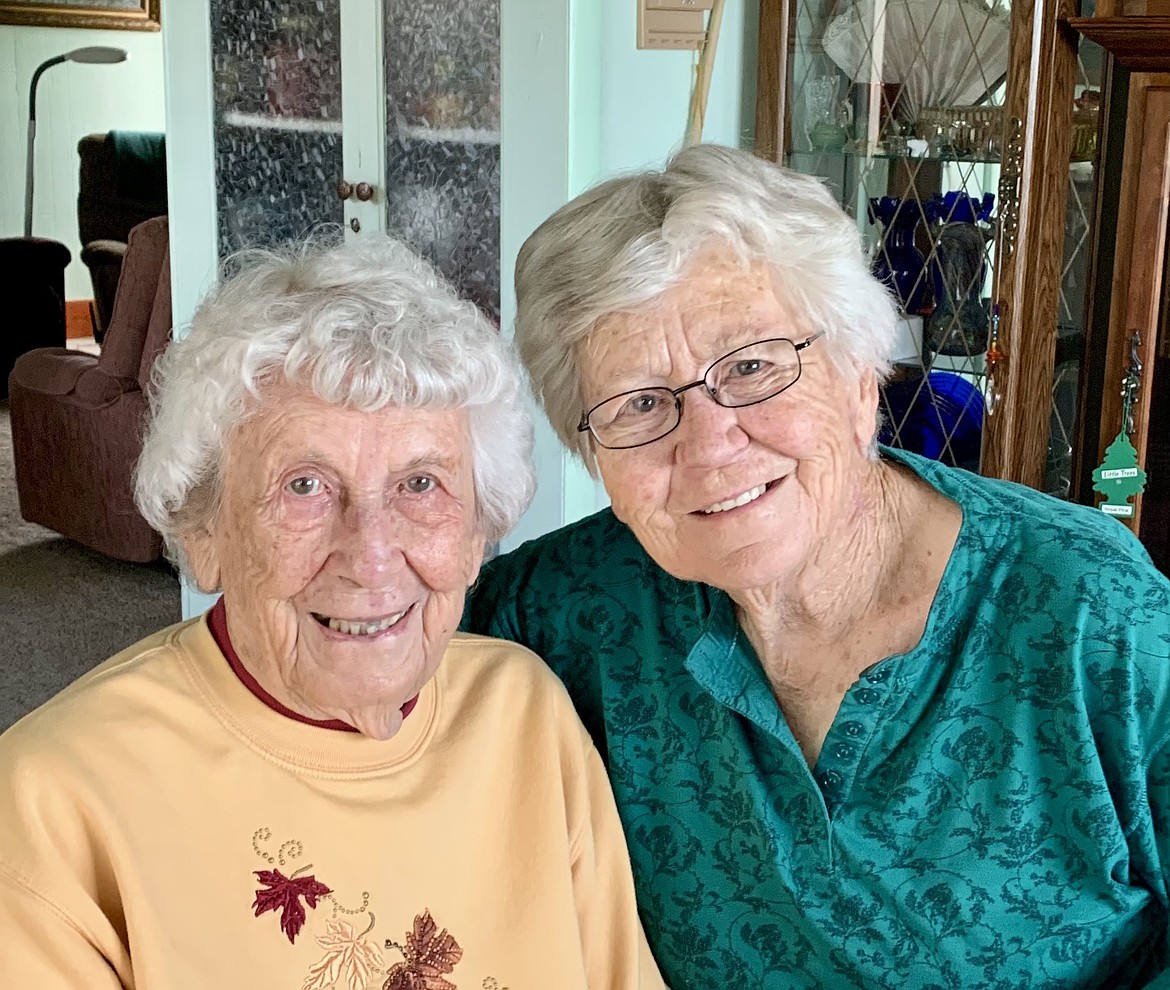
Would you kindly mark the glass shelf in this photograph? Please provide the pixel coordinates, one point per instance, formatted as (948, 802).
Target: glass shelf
(1081, 168)
(847, 153)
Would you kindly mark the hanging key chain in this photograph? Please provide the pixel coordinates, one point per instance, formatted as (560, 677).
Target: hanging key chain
(1120, 478)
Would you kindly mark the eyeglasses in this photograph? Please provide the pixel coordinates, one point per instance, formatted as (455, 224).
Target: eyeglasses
(747, 376)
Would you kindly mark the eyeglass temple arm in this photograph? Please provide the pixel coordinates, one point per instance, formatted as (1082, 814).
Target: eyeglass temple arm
(804, 343)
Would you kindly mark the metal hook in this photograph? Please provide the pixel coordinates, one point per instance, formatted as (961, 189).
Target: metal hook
(1131, 383)
(1135, 361)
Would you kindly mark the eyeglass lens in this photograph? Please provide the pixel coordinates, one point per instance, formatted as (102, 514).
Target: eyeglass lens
(743, 377)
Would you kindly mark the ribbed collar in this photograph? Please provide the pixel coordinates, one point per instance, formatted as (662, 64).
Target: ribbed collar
(298, 745)
(217, 623)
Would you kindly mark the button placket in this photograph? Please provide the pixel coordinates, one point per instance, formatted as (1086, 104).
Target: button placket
(843, 748)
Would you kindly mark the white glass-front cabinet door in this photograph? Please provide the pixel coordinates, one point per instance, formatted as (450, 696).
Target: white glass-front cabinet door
(441, 62)
(373, 115)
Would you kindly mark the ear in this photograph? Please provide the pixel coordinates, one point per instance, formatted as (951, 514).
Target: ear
(865, 424)
(202, 552)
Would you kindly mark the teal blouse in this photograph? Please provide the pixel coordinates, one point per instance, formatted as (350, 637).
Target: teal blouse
(989, 810)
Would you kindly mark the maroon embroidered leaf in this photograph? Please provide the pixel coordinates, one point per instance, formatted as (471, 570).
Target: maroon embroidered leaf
(430, 954)
(285, 893)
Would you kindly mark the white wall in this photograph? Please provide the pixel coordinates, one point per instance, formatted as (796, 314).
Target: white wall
(72, 100)
(645, 94)
(580, 103)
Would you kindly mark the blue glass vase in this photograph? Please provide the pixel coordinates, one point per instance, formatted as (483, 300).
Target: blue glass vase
(899, 263)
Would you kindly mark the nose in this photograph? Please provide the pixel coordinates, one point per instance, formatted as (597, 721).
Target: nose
(708, 434)
(369, 546)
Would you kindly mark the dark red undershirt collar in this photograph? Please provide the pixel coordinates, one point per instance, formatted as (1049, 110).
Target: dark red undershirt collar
(217, 623)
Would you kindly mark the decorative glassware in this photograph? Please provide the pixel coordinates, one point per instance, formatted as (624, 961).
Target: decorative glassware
(1085, 123)
(899, 263)
(823, 112)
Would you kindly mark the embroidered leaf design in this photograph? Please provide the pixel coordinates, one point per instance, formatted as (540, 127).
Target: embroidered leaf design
(430, 954)
(285, 893)
(402, 977)
(349, 961)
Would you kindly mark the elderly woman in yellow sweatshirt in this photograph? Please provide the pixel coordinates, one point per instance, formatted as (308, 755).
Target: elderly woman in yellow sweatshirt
(318, 784)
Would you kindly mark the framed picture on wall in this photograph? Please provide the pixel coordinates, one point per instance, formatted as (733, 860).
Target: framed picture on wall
(125, 15)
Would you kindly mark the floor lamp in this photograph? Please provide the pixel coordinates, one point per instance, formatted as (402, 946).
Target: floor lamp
(92, 55)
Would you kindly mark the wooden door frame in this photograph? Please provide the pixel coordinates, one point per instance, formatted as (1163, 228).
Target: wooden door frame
(1143, 219)
(1101, 262)
(1041, 81)
(1138, 280)
(775, 35)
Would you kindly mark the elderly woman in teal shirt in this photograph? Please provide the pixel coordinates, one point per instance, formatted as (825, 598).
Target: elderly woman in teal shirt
(871, 721)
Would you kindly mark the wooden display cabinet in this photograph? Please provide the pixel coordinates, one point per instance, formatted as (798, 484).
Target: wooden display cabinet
(1137, 35)
(1072, 263)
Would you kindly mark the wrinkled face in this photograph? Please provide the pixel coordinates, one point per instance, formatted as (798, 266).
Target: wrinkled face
(794, 461)
(344, 545)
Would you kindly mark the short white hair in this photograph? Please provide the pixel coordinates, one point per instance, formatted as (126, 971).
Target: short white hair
(620, 245)
(361, 325)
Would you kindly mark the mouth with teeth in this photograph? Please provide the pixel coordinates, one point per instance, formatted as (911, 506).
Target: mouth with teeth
(734, 503)
(361, 628)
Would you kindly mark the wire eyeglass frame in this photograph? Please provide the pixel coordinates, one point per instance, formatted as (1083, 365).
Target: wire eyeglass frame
(676, 393)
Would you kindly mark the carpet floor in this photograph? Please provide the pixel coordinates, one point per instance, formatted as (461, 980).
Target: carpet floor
(64, 608)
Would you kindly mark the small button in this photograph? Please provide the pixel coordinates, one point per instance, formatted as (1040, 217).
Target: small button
(853, 729)
(879, 676)
(830, 780)
(868, 696)
(844, 751)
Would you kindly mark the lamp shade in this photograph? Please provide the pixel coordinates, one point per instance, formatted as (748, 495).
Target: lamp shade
(97, 55)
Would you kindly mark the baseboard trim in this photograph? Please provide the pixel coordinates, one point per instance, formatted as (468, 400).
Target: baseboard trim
(77, 319)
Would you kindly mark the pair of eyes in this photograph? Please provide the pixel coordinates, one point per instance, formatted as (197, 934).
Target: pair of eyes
(650, 401)
(308, 486)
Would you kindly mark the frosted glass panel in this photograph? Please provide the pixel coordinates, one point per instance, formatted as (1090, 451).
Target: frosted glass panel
(277, 79)
(443, 140)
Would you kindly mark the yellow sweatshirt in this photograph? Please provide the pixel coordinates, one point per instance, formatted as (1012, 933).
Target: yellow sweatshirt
(161, 827)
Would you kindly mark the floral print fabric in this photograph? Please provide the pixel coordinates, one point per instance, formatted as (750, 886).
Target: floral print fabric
(990, 810)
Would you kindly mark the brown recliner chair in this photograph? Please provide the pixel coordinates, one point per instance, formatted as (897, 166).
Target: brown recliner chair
(77, 420)
(122, 182)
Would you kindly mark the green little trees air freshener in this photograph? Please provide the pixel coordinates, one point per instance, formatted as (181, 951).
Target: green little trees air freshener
(1119, 478)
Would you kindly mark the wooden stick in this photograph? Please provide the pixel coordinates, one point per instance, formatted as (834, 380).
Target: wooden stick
(702, 84)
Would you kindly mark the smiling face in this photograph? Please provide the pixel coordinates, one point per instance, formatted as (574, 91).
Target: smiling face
(742, 498)
(344, 544)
